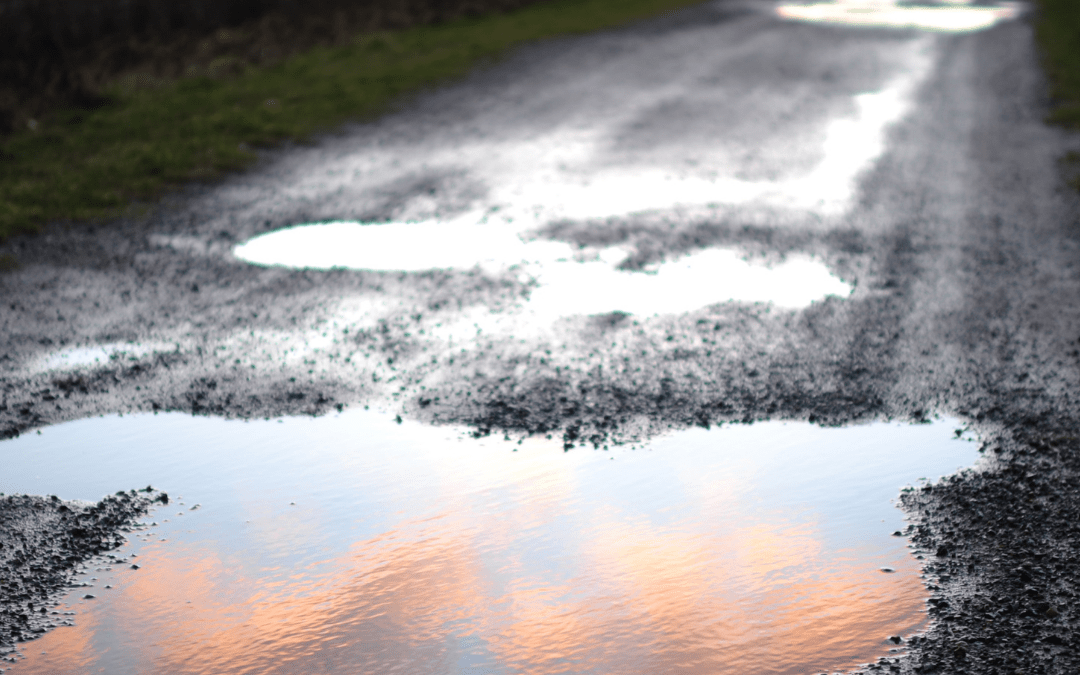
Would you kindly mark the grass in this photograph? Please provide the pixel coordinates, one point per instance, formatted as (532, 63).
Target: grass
(92, 165)
(1057, 30)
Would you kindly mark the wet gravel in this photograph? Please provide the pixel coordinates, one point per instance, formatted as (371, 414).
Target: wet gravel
(963, 245)
(1003, 547)
(44, 543)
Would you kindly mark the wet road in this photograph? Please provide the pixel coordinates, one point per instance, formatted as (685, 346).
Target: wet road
(913, 164)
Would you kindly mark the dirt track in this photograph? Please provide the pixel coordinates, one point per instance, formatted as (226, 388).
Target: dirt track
(961, 241)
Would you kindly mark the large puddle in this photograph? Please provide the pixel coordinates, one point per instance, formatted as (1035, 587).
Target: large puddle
(353, 543)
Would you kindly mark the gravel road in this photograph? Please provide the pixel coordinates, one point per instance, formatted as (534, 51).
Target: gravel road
(915, 164)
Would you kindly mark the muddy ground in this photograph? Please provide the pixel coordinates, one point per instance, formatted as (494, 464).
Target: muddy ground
(961, 240)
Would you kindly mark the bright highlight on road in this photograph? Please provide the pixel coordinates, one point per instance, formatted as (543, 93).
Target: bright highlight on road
(947, 17)
(569, 283)
(490, 197)
(93, 357)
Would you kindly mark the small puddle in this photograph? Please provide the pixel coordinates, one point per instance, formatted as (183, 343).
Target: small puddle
(351, 543)
(93, 357)
(946, 16)
(566, 284)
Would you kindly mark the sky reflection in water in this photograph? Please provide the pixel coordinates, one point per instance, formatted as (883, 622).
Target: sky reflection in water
(416, 549)
(946, 16)
(566, 285)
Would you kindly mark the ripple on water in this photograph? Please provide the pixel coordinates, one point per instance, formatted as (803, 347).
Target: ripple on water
(354, 544)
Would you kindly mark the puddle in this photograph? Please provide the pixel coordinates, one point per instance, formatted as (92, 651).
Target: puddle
(75, 358)
(354, 544)
(499, 193)
(947, 16)
(681, 284)
(465, 202)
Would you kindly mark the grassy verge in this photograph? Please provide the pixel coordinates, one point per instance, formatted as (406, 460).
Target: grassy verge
(82, 165)
(1057, 30)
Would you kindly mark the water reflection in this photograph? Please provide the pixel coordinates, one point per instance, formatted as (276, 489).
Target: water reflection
(74, 358)
(354, 544)
(481, 201)
(947, 16)
(566, 284)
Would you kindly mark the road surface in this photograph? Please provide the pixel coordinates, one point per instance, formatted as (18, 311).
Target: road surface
(884, 194)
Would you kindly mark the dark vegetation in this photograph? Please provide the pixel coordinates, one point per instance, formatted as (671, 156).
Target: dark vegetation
(1057, 29)
(68, 52)
(104, 110)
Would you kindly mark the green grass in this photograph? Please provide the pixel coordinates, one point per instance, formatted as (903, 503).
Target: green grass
(1057, 30)
(94, 165)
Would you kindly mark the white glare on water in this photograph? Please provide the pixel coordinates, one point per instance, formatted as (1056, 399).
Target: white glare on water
(528, 183)
(352, 544)
(567, 286)
(74, 358)
(955, 16)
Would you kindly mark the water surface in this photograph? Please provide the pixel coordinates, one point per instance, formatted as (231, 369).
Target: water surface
(354, 544)
(944, 16)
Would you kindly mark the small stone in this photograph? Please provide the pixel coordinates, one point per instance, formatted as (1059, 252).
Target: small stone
(88, 597)
(895, 639)
(887, 570)
(134, 567)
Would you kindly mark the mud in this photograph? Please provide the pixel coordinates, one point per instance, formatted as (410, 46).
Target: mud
(962, 242)
(44, 543)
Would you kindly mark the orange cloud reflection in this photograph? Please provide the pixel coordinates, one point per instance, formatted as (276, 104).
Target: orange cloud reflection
(478, 591)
